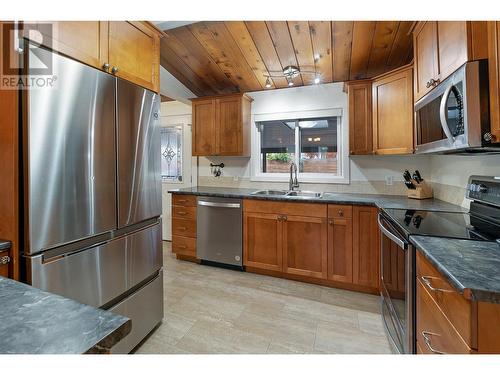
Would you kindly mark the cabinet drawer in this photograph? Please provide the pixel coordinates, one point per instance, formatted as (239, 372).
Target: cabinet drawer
(455, 307)
(339, 211)
(184, 200)
(184, 245)
(435, 333)
(184, 212)
(184, 227)
(4, 268)
(285, 208)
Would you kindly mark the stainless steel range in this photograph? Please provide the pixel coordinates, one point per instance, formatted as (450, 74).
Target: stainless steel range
(482, 222)
(92, 193)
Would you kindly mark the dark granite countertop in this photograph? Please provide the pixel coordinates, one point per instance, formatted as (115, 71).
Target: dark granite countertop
(36, 322)
(472, 267)
(378, 200)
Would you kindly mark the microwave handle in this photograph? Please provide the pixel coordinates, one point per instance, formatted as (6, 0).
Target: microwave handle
(442, 115)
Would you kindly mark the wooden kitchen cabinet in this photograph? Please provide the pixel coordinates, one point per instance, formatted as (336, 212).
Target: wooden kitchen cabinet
(360, 117)
(184, 226)
(127, 49)
(365, 247)
(340, 243)
(203, 128)
(134, 51)
(85, 41)
(221, 125)
(441, 47)
(305, 246)
(494, 78)
(262, 241)
(425, 57)
(392, 96)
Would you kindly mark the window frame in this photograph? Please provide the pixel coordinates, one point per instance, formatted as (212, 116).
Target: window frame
(342, 148)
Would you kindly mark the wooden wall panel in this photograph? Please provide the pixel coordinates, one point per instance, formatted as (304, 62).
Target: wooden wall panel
(362, 38)
(283, 44)
(236, 56)
(321, 37)
(342, 46)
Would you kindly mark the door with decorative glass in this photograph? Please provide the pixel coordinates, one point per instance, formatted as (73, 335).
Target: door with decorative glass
(178, 167)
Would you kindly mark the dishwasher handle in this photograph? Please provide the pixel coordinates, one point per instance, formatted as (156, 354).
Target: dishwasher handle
(219, 204)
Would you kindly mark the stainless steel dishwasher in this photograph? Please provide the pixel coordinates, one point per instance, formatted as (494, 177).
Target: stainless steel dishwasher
(219, 231)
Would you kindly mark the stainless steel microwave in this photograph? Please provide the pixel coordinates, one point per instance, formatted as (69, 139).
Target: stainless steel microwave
(454, 117)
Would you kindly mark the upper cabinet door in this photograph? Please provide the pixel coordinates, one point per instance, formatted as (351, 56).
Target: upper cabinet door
(393, 113)
(203, 131)
(85, 41)
(228, 129)
(452, 46)
(426, 58)
(134, 53)
(360, 118)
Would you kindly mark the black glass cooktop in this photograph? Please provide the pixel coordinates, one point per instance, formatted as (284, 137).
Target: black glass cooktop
(444, 224)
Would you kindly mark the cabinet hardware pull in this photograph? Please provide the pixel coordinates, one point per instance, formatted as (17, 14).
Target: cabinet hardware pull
(182, 213)
(426, 335)
(182, 228)
(114, 69)
(105, 66)
(426, 280)
(330, 222)
(4, 260)
(182, 200)
(182, 246)
(280, 217)
(341, 213)
(284, 218)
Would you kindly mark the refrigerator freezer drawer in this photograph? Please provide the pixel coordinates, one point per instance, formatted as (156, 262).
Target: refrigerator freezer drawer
(145, 308)
(139, 175)
(70, 155)
(144, 254)
(93, 276)
(98, 275)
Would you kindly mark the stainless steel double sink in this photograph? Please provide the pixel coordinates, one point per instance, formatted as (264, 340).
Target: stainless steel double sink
(288, 194)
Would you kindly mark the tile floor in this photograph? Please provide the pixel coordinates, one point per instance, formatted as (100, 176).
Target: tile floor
(214, 310)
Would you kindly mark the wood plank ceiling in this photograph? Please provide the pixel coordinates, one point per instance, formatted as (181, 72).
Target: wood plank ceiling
(226, 57)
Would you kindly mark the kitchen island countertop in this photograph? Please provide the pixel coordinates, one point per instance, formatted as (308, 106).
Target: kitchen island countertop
(472, 267)
(36, 322)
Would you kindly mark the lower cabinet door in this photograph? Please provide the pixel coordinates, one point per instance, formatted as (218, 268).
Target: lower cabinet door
(262, 241)
(305, 246)
(365, 251)
(340, 249)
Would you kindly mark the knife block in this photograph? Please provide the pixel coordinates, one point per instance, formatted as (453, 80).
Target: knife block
(421, 191)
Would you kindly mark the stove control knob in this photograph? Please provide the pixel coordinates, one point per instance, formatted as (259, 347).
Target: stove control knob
(482, 188)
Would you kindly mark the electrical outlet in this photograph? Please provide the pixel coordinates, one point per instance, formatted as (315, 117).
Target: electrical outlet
(389, 180)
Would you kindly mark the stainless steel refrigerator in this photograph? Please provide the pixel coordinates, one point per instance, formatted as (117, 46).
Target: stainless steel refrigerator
(92, 192)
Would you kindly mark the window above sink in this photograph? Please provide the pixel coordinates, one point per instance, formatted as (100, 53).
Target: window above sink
(316, 141)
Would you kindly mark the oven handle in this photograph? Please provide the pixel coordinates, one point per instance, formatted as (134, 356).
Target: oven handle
(442, 114)
(385, 231)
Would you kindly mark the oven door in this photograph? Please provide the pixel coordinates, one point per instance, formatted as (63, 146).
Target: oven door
(397, 273)
(440, 116)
